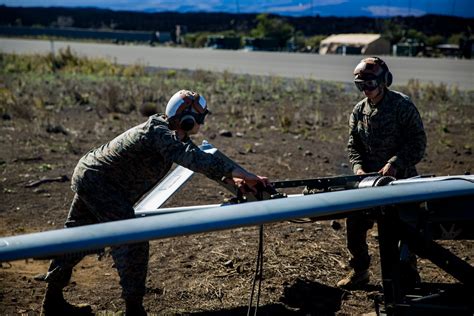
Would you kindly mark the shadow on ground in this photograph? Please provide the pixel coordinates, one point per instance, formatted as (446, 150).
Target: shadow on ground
(302, 297)
(266, 310)
(312, 298)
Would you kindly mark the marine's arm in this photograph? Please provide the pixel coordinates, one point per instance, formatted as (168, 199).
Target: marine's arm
(354, 145)
(414, 138)
(190, 156)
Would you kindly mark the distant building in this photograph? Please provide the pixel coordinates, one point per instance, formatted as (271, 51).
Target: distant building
(163, 37)
(355, 44)
(466, 46)
(223, 42)
(260, 44)
(409, 48)
(79, 33)
(449, 50)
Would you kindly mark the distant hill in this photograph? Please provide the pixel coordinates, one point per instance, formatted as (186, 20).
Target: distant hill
(217, 22)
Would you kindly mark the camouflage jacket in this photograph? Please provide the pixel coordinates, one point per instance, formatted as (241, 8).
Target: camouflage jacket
(133, 162)
(391, 131)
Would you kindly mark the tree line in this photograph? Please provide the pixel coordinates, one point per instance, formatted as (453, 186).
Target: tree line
(301, 31)
(218, 22)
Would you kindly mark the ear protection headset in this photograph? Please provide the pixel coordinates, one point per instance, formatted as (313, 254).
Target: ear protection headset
(188, 118)
(387, 76)
(187, 121)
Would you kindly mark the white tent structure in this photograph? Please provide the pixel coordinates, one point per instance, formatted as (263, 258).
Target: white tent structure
(355, 44)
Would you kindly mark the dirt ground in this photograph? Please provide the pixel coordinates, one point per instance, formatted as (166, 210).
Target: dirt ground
(205, 274)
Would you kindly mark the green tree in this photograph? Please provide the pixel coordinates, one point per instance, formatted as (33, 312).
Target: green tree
(415, 35)
(276, 28)
(199, 39)
(298, 41)
(434, 40)
(312, 43)
(195, 39)
(392, 31)
(455, 38)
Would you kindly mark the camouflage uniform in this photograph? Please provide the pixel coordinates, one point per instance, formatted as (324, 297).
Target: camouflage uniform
(391, 131)
(109, 180)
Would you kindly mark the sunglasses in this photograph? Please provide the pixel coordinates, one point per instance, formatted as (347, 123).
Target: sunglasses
(367, 85)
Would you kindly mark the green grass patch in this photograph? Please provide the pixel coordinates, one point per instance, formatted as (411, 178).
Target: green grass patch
(33, 85)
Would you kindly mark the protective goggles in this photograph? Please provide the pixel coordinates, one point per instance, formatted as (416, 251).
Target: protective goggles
(367, 85)
(200, 117)
(196, 106)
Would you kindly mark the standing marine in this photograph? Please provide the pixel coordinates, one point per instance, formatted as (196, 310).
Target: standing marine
(386, 135)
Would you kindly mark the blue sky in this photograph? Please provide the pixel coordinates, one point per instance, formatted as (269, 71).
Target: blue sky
(464, 8)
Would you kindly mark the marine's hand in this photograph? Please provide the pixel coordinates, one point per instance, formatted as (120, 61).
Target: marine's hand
(253, 180)
(251, 183)
(360, 171)
(248, 182)
(388, 170)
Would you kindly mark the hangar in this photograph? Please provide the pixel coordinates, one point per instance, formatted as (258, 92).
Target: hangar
(355, 44)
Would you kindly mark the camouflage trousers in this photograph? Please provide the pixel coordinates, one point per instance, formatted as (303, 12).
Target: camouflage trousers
(357, 227)
(131, 261)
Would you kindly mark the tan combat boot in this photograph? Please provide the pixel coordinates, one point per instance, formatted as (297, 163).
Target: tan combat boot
(354, 279)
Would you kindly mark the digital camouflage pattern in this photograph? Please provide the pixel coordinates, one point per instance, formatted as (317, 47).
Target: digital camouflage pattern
(110, 179)
(391, 131)
(131, 261)
(136, 160)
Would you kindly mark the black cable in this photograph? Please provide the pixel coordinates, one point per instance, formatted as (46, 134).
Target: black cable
(258, 274)
(260, 277)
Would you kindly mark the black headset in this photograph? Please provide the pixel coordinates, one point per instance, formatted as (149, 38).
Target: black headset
(387, 76)
(189, 118)
(187, 121)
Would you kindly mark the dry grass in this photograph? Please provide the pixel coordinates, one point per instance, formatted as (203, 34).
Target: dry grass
(56, 115)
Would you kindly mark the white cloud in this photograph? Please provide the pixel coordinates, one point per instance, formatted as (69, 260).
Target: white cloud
(136, 5)
(161, 5)
(393, 11)
(321, 3)
(169, 5)
(292, 8)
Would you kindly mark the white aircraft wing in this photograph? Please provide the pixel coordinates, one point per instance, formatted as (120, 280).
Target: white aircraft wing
(70, 240)
(167, 187)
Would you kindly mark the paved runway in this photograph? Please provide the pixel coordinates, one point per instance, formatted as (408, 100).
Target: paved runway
(322, 67)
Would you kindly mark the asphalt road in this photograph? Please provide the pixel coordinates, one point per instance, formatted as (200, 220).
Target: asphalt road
(453, 72)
